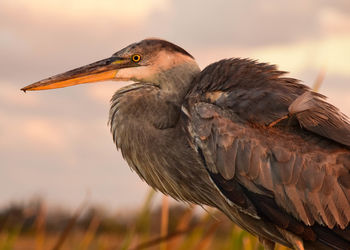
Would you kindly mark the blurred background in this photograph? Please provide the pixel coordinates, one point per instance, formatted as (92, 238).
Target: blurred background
(55, 145)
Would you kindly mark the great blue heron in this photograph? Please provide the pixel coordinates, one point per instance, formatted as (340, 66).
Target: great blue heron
(264, 149)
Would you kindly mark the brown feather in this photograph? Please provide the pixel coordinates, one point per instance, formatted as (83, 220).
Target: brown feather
(298, 170)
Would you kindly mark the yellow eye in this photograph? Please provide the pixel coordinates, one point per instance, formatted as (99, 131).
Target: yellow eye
(136, 58)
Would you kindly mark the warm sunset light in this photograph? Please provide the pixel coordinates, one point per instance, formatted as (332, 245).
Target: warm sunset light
(55, 145)
(69, 125)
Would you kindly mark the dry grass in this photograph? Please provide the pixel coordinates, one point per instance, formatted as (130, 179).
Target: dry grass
(165, 228)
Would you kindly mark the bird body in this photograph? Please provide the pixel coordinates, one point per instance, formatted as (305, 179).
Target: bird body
(239, 136)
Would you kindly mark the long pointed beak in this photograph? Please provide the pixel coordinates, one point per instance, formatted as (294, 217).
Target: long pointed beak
(102, 70)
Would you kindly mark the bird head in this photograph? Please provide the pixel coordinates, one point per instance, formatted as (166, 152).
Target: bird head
(146, 61)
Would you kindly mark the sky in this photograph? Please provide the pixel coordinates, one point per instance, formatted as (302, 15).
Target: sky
(56, 144)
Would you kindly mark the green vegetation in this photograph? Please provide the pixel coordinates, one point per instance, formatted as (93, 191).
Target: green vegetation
(187, 227)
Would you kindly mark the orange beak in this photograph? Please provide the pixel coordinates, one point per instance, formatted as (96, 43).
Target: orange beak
(98, 71)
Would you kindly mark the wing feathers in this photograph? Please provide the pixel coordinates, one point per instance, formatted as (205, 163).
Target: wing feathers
(243, 157)
(255, 162)
(227, 157)
(298, 167)
(320, 117)
(312, 187)
(283, 166)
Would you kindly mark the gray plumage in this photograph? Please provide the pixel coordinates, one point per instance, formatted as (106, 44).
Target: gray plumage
(239, 136)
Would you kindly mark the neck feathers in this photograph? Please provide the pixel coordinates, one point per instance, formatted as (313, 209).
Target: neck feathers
(142, 116)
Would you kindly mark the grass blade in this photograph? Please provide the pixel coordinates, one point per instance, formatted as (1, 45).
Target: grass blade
(184, 222)
(69, 227)
(90, 232)
(164, 221)
(40, 227)
(319, 80)
(207, 238)
(142, 222)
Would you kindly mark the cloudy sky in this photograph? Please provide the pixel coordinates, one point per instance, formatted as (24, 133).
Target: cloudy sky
(56, 144)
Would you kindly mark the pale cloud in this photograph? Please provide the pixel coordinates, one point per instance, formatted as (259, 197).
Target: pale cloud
(102, 92)
(335, 21)
(44, 133)
(332, 52)
(132, 11)
(12, 95)
(339, 98)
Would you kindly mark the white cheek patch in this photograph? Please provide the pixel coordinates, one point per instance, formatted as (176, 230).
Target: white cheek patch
(136, 73)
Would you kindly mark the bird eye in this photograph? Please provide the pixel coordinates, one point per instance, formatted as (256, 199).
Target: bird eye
(136, 58)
